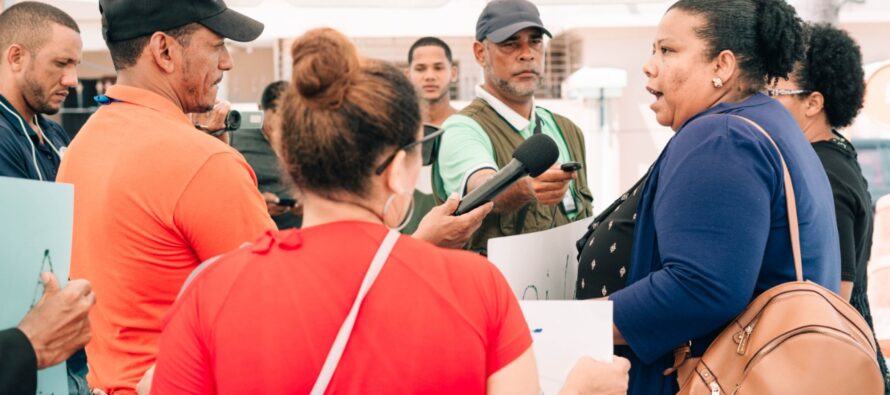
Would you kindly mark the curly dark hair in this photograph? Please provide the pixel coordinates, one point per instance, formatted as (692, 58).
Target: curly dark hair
(766, 36)
(833, 67)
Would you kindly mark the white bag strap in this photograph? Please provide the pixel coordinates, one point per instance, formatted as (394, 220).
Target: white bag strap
(790, 203)
(333, 358)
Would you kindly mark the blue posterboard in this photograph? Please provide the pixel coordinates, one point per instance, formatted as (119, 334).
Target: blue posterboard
(36, 220)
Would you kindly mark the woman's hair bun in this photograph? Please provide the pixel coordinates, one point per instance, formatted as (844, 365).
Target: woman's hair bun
(325, 63)
(779, 36)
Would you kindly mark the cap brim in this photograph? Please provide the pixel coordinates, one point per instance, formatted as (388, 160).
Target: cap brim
(234, 25)
(506, 32)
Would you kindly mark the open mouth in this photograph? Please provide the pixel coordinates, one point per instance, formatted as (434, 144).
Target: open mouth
(655, 93)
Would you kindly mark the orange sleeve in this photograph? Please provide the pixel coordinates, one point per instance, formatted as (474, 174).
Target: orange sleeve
(221, 208)
(509, 335)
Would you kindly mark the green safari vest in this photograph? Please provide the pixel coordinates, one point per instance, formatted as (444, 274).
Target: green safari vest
(504, 140)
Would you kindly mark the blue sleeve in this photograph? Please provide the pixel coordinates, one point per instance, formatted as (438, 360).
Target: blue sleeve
(712, 222)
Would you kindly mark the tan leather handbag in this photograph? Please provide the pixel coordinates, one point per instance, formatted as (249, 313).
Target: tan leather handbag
(795, 338)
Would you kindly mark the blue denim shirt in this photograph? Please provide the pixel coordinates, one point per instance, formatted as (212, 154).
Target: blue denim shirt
(712, 233)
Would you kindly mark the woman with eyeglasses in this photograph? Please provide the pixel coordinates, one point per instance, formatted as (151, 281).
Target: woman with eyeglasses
(825, 93)
(306, 309)
(711, 226)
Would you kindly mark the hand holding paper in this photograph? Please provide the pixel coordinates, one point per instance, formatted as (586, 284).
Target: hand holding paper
(58, 325)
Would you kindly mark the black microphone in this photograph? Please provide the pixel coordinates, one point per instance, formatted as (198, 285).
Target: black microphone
(533, 157)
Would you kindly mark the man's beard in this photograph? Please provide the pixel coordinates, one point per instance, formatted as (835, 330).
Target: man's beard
(36, 99)
(192, 87)
(506, 87)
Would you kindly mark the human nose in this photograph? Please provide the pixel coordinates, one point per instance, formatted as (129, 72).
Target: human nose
(225, 60)
(526, 52)
(649, 68)
(69, 77)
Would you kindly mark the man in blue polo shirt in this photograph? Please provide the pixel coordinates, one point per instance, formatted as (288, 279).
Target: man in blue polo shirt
(41, 47)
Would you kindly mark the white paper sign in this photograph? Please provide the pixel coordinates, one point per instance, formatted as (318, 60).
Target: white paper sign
(564, 331)
(540, 265)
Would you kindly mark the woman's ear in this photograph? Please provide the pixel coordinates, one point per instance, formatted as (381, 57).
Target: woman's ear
(726, 66)
(395, 175)
(815, 103)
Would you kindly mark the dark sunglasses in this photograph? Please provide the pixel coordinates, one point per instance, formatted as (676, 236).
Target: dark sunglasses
(429, 148)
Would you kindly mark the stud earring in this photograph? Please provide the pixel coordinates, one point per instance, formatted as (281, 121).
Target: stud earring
(718, 82)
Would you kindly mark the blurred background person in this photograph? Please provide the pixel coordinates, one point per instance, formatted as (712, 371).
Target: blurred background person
(431, 71)
(55, 328)
(825, 93)
(712, 229)
(254, 145)
(435, 321)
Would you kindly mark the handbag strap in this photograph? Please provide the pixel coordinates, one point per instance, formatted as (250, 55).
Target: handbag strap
(790, 202)
(339, 345)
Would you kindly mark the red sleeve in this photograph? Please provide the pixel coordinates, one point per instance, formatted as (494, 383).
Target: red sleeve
(221, 208)
(508, 332)
(183, 365)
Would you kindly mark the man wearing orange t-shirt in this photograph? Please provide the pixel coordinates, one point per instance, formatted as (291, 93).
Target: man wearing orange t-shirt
(154, 195)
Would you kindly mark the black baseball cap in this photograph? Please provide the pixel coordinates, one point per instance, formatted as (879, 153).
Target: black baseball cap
(128, 19)
(503, 18)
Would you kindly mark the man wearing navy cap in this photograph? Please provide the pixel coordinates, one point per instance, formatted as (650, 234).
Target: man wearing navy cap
(481, 138)
(155, 196)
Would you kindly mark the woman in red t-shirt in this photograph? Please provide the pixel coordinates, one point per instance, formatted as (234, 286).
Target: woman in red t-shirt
(263, 319)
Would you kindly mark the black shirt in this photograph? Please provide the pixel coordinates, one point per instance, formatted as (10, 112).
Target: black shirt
(604, 252)
(262, 159)
(18, 363)
(855, 222)
(852, 205)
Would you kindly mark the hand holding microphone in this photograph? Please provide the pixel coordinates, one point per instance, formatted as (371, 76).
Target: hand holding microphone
(533, 157)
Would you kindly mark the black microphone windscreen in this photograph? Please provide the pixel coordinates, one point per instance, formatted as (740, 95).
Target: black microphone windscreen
(537, 153)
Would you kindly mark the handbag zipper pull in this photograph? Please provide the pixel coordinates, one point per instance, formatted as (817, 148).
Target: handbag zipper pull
(743, 339)
(715, 389)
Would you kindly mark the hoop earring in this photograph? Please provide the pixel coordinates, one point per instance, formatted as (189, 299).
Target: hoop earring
(718, 82)
(408, 214)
